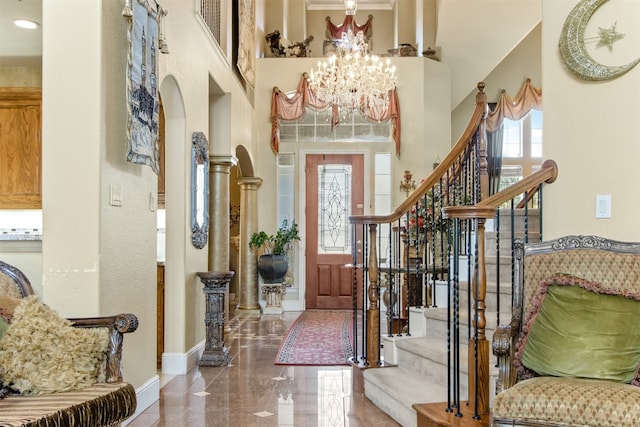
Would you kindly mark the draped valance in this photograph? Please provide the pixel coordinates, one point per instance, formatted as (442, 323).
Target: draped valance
(528, 98)
(294, 107)
(334, 32)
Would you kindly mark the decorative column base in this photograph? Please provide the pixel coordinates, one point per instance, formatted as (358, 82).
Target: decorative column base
(273, 294)
(215, 288)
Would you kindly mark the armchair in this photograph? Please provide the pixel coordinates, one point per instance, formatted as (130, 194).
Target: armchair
(570, 355)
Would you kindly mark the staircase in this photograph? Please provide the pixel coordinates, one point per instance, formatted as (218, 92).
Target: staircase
(416, 366)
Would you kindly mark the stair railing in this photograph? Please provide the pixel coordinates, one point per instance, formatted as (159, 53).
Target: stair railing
(410, 247)
(475, 217)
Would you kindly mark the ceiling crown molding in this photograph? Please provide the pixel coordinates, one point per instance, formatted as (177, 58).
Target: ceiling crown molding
(339, 4)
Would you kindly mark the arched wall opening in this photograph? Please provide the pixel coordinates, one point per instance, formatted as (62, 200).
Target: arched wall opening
(175, 215)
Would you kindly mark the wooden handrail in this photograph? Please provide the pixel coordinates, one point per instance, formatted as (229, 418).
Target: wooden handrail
(487, 208)
(530, 192)
(439, 172)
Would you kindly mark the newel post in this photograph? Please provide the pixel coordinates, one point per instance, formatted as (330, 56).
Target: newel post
(478, 350)
(373, 312)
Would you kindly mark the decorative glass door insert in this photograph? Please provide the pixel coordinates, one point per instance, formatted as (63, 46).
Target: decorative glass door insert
(334, 208)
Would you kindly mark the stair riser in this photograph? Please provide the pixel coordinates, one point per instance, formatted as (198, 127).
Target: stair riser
(491, 301)
(432, 371)
(437, 328)
(464, 271)
(491, 248)
(533, 219)
(404, 415)
(432, 368)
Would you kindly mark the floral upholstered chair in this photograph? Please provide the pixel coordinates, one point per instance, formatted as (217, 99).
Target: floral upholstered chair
(571, 353)
(59, 372)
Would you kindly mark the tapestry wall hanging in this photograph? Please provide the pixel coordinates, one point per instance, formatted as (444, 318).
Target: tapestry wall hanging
(247, 40)
(143, 103)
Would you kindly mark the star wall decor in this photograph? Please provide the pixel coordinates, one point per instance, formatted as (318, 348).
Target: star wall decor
(607, 37)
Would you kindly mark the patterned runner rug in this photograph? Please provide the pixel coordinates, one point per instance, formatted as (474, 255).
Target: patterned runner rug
(318, 337)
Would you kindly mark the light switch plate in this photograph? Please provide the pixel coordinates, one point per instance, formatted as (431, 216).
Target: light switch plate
(603, 206)
(115, 198)
(153, 203)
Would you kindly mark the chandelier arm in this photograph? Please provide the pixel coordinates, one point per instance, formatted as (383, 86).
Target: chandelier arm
(352, 78)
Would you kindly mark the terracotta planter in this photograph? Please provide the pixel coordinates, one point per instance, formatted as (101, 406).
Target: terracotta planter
(273, 268)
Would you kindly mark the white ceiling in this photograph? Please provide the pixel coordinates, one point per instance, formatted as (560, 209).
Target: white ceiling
(17, 45)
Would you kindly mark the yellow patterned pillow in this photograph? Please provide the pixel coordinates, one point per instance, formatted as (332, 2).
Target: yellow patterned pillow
(42, 353)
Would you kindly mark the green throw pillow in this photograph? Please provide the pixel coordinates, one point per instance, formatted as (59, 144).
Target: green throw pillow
(577, 332)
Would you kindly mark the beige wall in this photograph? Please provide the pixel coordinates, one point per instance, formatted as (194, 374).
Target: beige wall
(21, 76)
(96, 259)
(477, 35)
(523, 62)
(589, 131)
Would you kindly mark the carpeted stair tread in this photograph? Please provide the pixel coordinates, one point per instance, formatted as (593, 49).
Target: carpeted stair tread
(440, 313)
(395, 389)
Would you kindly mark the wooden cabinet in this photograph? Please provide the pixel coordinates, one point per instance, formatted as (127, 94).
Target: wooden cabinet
(20, 148)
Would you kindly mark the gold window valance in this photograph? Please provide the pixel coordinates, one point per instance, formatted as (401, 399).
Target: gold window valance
(528, 98)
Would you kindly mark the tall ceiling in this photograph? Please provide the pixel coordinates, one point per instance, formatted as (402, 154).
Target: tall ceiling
(24, 47)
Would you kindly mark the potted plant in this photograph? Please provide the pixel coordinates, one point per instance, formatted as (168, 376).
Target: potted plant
(273, 263)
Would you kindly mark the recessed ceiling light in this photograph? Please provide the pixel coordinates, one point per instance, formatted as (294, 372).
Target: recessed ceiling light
(26, 23)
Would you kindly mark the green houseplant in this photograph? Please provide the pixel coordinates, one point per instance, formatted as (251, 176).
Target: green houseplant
(273, 263)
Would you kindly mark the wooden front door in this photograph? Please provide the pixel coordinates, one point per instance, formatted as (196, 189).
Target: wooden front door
(334, 191)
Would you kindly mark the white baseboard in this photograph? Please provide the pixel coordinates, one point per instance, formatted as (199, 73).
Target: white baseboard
(181, 363)
(146, 395)
(293, 305)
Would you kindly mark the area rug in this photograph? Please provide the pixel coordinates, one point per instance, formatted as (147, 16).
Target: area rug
(318, 337)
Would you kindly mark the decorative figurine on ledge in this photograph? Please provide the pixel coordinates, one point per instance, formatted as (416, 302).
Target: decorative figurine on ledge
(284, 48)
(404, 49)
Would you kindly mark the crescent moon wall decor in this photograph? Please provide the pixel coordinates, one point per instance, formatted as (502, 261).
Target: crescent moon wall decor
(574, 52)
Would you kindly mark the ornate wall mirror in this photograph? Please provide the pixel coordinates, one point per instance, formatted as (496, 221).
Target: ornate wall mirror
(200, 190)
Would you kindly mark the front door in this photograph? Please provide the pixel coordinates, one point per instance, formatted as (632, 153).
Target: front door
(334, 191)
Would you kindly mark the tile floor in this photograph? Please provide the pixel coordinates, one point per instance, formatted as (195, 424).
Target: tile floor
(252, 391)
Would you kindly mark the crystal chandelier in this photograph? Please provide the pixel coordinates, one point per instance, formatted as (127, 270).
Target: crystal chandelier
(352, 79)
(350, 7)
